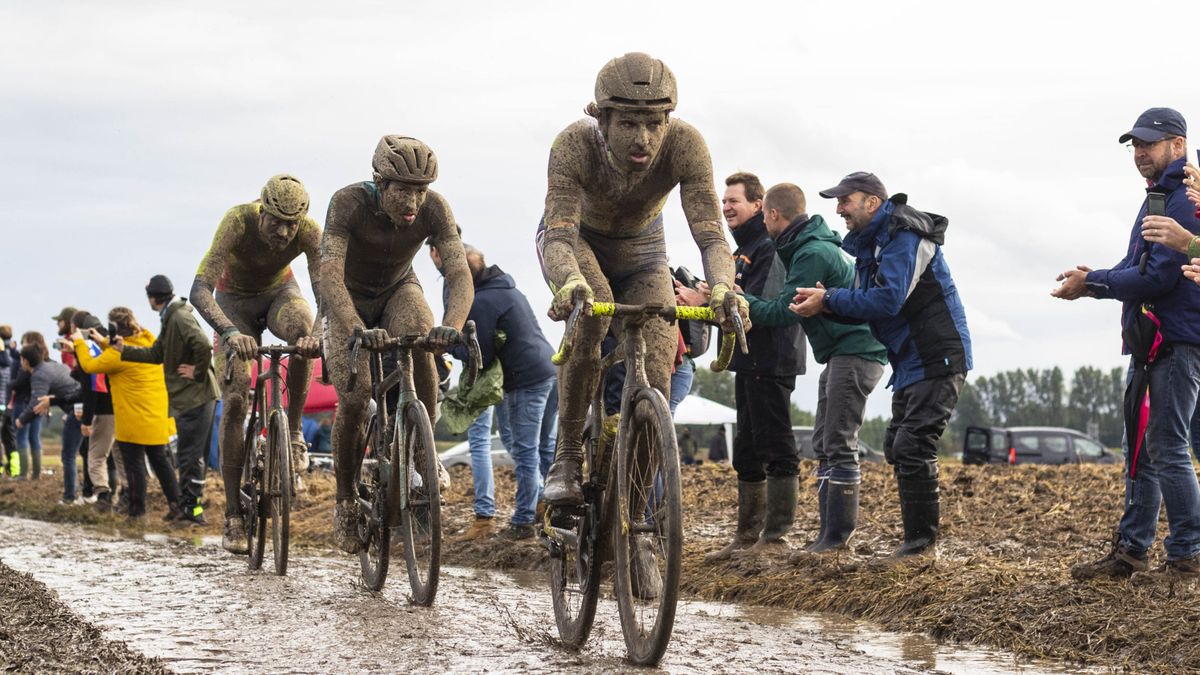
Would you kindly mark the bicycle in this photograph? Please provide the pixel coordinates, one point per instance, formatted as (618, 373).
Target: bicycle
(399, 477)
(266, 490)
(646, 502)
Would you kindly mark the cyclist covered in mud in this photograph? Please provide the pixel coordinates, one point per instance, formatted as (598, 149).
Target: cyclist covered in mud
(609, 178)
(244, 286)
(372, 232)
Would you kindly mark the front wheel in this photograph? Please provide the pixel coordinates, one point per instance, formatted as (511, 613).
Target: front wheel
(648, 527)
(374, 527)
(421, 519)
(280, 488)
(253, 494)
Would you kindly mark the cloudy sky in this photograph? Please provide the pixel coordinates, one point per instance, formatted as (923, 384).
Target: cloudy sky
(128, 128)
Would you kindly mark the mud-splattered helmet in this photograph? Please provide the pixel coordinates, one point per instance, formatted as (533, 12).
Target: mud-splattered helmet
(636, 81)
(404, 159)
(285, 198)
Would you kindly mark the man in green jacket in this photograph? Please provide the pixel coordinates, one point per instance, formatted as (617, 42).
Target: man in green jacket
(186, 355)
(853, 360)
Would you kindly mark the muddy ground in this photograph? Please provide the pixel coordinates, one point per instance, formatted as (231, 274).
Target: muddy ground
(1001, 579)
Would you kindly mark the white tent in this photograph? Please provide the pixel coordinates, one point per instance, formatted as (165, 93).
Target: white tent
(700, 411)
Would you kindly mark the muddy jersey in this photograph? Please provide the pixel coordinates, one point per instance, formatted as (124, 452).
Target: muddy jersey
(585, 189)
(373, 255)
(240, 262)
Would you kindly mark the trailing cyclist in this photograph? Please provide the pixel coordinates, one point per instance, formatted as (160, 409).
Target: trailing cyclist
(372, 232)
(244, 286)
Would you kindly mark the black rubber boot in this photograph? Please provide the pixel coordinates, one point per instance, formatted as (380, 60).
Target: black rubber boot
(920, 511)
(841, 517)
(752, 502)
(563, 481)
(781, 515)
(822, 502)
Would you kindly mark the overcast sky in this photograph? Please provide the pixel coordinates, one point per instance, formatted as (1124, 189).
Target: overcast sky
(127, 129)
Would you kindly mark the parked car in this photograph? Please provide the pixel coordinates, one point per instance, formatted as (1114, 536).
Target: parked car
(460, 455)
(1033, 445)
(805, 445)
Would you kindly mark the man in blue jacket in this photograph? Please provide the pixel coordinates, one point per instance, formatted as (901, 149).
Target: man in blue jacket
(1164, 474)
(904, 290)
(529, 377)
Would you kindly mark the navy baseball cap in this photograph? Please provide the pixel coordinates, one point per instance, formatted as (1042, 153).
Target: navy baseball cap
(1156, 124)
(859, 181)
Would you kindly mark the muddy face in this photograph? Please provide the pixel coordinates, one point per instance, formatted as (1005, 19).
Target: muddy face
(277, 232)
(402, 201)
(634, 138)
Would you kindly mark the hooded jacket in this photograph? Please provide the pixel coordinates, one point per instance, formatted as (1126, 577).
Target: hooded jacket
(1176, 300)
(903, 288)
(53, 379)
(777, 350)
(182, 341)
(811, 252)
(500, 307)
(138, 391)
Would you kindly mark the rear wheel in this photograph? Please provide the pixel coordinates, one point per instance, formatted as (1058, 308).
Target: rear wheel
(373, 512)
(648, 529)
(421, 521)
(280, 490)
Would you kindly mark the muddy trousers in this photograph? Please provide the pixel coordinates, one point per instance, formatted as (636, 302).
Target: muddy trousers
(135, 456)
(764, 445)
(195, 435)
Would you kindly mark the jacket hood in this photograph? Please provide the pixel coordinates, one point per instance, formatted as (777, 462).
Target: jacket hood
(142, 339)
(174, 306)
(803, 230)
(898, 216)
(750, 231)
(494, 277)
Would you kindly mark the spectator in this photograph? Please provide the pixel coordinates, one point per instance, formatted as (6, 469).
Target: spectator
(29, 436)
(688, 449)
(718, 449)
(322, 442)
(853, 359)
(185, 353)
(104, 466)
(904, 291)
(139, 395)
(764, 449)
(51, 383)
(1163, 474)
(524, 355)
(8, 438)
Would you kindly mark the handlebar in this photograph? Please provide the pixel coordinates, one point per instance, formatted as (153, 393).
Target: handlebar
(269, 351)
(467, 338)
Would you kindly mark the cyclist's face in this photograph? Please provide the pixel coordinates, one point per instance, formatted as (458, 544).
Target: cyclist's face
(402, 201)
(634, 138)
(277, 232)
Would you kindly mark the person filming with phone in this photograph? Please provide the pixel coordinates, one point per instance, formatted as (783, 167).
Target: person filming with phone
(1160, 323)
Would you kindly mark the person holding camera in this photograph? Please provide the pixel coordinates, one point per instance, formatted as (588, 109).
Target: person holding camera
(104, 467)
(1151, 289)
(764, 449)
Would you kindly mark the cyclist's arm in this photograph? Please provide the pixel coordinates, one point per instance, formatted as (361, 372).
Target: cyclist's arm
(310, 243)
(460, 289)
(564, 206)
(701, 207)
(335, 299)
(212, 266)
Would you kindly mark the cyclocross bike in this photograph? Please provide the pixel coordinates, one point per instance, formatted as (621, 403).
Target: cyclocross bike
(632, 512)
(398, 481)
(267, 485)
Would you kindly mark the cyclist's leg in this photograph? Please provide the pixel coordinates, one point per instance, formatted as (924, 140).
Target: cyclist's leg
(246, 313)
(654, 286)
(290, 318)
(576, 382)
(407, 313)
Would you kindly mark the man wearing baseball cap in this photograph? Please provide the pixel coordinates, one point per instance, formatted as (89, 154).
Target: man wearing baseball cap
(1148, 282)
(903, 289)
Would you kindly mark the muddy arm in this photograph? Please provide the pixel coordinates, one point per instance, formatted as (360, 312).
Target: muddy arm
(460, 290)
(311, 245)
(335, 299)
(703, 212)
(212, 266)
(564, 206)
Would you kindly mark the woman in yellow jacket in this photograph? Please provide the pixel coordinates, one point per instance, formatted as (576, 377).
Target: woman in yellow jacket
(139, 395)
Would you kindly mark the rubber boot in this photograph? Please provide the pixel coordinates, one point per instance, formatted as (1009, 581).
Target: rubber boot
(752, 502)
(841, 517)
(781, 515)
(822, 500)
(920, 511)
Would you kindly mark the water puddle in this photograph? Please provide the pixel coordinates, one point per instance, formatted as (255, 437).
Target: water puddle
(198, 608)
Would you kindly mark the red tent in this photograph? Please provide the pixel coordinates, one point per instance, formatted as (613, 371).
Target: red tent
(321, 397)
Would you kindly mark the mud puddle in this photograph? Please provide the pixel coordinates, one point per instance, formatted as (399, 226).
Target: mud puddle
(197, 608)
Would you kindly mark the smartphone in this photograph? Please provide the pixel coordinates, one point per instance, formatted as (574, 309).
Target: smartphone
(112, 331)
(1156, 204)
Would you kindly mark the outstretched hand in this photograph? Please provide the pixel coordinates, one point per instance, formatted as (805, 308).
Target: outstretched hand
(808, 302)
(1073, 283)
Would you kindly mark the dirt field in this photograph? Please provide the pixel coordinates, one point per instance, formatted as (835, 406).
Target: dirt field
(1010, 535)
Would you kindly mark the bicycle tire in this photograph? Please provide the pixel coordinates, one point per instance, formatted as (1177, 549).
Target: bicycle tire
(252, 481)
(646, 449)
(421, 521)
(376, 553)
(280, 490)
(575, 570)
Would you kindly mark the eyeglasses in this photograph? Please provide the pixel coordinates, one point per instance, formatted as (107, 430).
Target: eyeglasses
(1139, 144)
